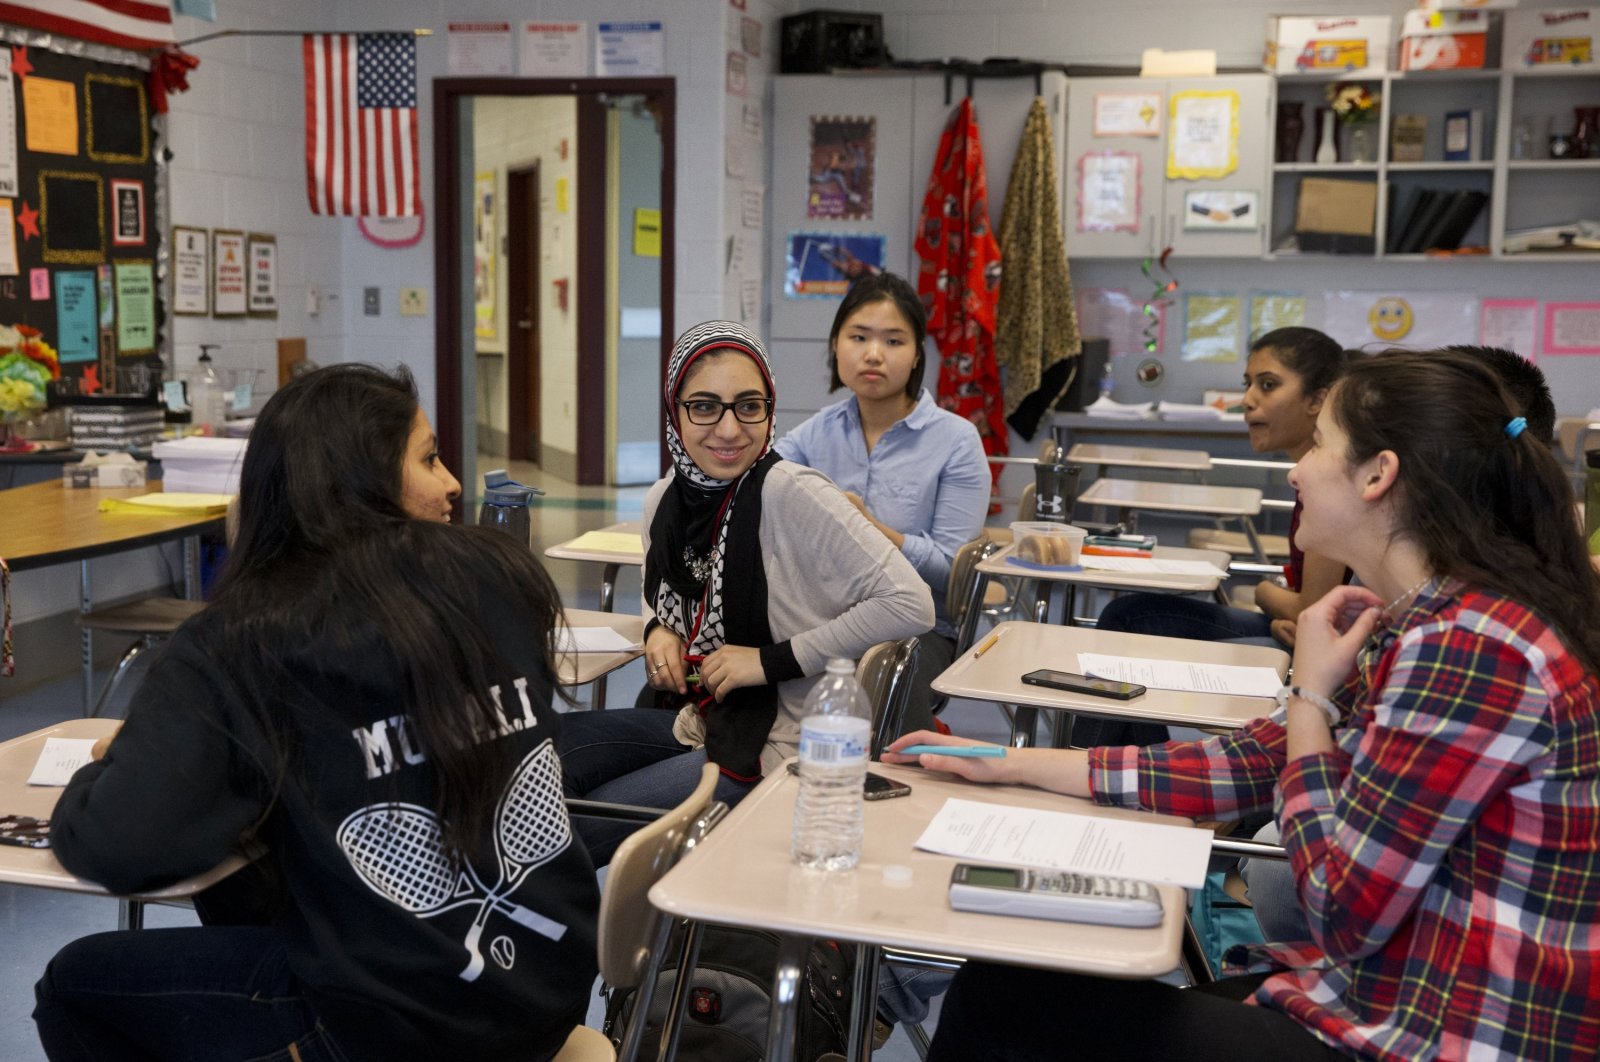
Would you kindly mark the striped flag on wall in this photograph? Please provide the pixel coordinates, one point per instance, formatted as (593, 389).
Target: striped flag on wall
(361, 124)
(135, 24)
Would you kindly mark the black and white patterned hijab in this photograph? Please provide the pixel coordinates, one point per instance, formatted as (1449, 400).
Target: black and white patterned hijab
(689, 536)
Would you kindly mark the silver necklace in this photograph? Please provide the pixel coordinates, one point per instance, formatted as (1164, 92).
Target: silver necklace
(1389, 608)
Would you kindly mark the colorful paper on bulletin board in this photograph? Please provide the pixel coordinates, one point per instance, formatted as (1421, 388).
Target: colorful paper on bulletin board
(1108, 191)
(1127, 114)
(8, 239)
(1116, 316)
(823, 265)
(1273, 309)
(562, 201)
(1418, 320)
(1203, 135)
(77, 325)
(1571, 328)
(646, 232)
(1211, 326)
(9, 175)
(136, 307)
(1510, 324)
(485, 255)
(843, 154)
(50, 111)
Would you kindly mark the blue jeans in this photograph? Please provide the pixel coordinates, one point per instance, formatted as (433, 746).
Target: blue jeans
(1269, 886)
(1175, 616)
(629, 756)
(178, 995)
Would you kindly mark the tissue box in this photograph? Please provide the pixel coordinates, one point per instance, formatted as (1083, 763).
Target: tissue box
(1450, 40)
(104, 470)
(1552, 39)
(1349, 44)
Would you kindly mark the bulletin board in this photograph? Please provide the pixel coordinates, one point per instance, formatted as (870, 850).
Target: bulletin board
(80, 179)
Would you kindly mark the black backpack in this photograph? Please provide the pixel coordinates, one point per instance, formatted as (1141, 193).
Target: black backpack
(730, 996)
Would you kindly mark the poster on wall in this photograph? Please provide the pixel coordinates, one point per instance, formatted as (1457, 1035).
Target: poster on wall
(127, 206)
(485, 242)
(191, 271)
(1210, 209)
(630, 49)
(555, 49)
(228, 280)
(9, 266)
(136, 307)
(1275, 309)
(77, 324)
(8, 128)
(1211, 329)
(263, 257)
(479, 48)
(1510, 324)
(1572, 328)
(738, 80)
(1108, 192)
(1417, 320)
(1203, 135)
(1127, 114)
(842, 157)
(823, 265)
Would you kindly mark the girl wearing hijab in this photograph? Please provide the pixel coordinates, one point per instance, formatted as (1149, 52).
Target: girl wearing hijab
(757, 572)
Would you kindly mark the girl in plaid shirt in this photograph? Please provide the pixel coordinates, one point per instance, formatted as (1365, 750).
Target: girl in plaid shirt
(1435, 772)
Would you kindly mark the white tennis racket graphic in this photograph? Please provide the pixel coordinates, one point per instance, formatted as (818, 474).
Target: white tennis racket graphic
(398, 850)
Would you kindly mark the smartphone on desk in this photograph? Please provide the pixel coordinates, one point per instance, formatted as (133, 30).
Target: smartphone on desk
(876, 787)
(1094, 687)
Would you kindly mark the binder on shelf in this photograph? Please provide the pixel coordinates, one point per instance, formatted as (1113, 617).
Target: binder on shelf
(1452, 223)
(1463, 136)
(1424, 207)
(1406, 135)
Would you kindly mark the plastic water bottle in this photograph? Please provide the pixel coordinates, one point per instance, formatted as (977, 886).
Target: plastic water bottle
(834, 738)
(505, 506)
(208, 400)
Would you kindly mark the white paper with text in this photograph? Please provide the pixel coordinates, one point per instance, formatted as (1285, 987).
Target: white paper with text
(1236, 679)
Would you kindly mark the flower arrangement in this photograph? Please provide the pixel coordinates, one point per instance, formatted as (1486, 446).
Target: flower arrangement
(27, 365)
(1352, 104)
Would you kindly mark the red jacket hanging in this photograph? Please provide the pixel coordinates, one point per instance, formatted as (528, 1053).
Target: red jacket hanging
(960, 280)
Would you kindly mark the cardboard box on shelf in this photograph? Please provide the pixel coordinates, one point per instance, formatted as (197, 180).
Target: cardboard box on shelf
(1450, 40)
(1545, 40)
(1336, 216)
(1353, 45)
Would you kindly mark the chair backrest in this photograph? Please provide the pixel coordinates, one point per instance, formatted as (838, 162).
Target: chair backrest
(885, 674)
(627, 921)
(959, 590)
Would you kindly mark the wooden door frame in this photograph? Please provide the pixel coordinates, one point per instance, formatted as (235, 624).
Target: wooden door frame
(591, 227)
(523, 420)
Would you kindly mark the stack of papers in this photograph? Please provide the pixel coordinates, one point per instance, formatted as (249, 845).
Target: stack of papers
(1105, 407)
(593, 640)
(1149, 565)
(200, 463)
(169, 503)
(607, 542)
(1233, 679)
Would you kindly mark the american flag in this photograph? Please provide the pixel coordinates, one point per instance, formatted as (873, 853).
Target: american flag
(361, 124)
(135, 24)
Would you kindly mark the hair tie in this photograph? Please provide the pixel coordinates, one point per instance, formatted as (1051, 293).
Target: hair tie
(1515, 426)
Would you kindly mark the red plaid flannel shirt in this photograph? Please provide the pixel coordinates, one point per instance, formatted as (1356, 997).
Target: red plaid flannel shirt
(1447, 853)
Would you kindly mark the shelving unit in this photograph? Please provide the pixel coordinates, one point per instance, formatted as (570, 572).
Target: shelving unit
(1523, 193)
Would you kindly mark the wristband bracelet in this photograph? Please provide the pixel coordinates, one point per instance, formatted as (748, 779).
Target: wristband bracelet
(1329, 710)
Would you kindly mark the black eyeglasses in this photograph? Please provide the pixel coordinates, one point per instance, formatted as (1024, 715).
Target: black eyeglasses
(706, 411)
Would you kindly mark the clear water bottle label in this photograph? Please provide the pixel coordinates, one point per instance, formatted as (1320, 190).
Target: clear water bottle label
(832, 749)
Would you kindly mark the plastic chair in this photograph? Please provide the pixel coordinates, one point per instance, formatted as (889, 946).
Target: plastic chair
(885, 673)
(151, 619)
(633, 934)
(586, 1045)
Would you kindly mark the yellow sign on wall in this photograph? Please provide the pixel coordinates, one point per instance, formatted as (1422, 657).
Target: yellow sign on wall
(646, 233)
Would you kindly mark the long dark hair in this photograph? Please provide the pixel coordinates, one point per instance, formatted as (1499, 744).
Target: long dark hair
(327, 563)
(1489, 508)
(1309, 354)
(883, 287)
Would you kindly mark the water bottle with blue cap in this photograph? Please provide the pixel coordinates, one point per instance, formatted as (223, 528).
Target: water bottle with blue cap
(505, 506)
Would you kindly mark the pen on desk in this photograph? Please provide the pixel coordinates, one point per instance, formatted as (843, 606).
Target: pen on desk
(986, 644)
(963, 751)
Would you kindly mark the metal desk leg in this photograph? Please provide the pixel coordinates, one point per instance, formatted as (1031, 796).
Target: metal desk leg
(1254, 540)
(688, 955)
(783, 1021)
(191, 568)
(85, 636)
(1023, 723)
(864, 1002)
(608, 591)
(130, 914)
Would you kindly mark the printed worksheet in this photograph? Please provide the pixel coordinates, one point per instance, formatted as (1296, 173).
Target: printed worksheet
(1235, 679)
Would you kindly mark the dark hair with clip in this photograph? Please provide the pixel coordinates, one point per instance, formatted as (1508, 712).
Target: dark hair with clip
(1493, 510)
(1527, 385)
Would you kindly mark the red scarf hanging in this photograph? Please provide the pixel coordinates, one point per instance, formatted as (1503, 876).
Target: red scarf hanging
(960, 280)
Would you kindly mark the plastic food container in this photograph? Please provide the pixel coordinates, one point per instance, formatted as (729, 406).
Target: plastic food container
(1048, 544)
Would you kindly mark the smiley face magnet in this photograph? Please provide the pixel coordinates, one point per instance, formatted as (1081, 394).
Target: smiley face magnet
(1390, 318)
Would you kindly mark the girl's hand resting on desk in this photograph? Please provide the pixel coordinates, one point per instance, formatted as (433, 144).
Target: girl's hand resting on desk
(663, 661)
(985, 769)
(1330, 633)
(730, 668)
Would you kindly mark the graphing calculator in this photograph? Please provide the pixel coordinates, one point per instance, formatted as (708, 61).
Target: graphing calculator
(1061, 897)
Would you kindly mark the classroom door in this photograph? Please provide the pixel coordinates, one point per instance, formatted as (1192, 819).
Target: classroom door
(633, 291)
(522, 347)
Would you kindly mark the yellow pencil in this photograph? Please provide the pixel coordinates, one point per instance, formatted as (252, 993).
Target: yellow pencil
(986, 645)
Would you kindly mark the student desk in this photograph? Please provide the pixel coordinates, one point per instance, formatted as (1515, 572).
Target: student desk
(741, 875)
(613, 560)
(1023, 647)
(1126, 495)
(998, 566)
(45, 524)
(1193, 462)
(578, 669)
(38, 866)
